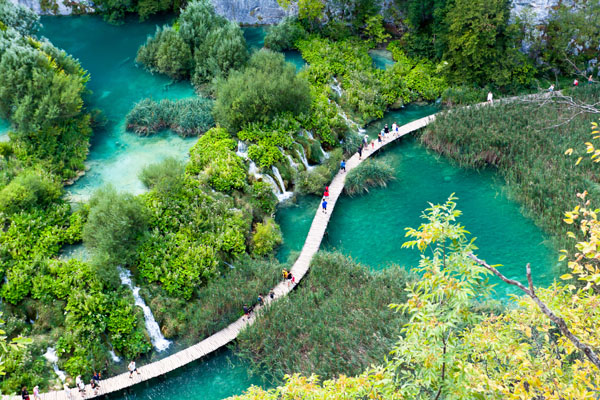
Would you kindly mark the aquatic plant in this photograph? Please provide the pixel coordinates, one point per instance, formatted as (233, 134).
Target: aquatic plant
(340, 308)
(370, 173)
(186, 117)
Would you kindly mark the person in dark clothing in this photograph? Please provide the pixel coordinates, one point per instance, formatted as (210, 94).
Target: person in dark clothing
(324, 205)
(246, 310)
(272, 294)
(343, 165)
(386, 130)
(360, 152)
(24, 393)
(260, 300)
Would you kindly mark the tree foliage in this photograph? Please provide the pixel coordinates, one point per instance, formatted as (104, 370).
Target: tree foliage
(265, 88)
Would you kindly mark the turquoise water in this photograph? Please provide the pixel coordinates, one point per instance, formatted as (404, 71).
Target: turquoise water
(255, 37)
(213, 378)
(370, 228)
(382, 59)
(4, 128)
(108, 53)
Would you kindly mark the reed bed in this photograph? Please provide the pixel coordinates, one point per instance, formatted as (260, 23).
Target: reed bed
(369, 174)
(336, 322)
(525, 142)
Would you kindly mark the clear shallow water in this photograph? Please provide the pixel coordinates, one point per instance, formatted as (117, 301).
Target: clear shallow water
(4, 128)
(213, 378)
(382, 59)
(255, 38)
(108, 53)
(370, 228)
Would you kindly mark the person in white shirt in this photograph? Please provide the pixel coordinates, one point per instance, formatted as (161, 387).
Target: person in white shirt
(131, 367)
(490, 98)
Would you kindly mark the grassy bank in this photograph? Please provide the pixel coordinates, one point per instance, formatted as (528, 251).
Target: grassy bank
(525, 142)
(336, 322)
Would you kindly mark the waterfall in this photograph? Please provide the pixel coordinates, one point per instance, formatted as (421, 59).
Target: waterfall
(337, 88)
(325, 154)
(292, 162)
(158, 340)
(309, 135)
(302, 155)
(278, 190)
(52, 358)
(114, 356)
(242, 150)
(284, 195)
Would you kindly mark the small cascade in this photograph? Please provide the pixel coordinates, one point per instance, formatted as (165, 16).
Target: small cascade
(242, 150)
(114, 356)
(292, 162)
(52, 358)
(309, 135)
(277, 189)
(304, 160)
(325, 154)
(158, 340)
(284, 194)
(337, 87)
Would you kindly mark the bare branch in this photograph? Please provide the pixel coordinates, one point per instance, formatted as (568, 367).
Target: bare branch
(562, 325)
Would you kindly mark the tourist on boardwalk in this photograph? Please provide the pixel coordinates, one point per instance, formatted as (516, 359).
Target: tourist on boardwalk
(324, 205)
(575, 82)
(360, 152)
(386, 130)
(551, 88)
(80, 385)
(291, 280)
(590, 80)
(373, 143)
(260, 300)
(366, 141)
(24, 393)
(67, 390)
(246, 311)
(284, 273)
(379, 137)
(36, 392)
(343, 165)
(272, 294)
(96, 378)
(326, 194)
(94, 386)
(132, 368)
(394, 128)
(490, 98)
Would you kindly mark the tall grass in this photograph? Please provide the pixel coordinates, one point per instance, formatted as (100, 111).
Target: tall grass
(370, 173)
(525, 142)
(186, 117)
(215, 305)
(336, 322)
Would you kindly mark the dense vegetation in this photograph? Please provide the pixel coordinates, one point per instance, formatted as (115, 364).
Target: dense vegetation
(200, 46)
(336, 322)
(186, 117)
(450, 349)
(523, 139)
(370, 173)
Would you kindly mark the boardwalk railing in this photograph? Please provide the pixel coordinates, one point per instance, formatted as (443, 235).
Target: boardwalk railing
(225, 336)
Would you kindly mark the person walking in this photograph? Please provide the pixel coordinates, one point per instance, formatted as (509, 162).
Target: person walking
(284, 273)
(324, 205)
(490, 98)
(575, 83)
(551, 88)
(590, 79)
(386, 130)
(80, 385)
(366, 141)
(24, 393)
(36, 393)
(94, 386)
(291, 279)
(379, 137)
(343, 165)
(246, 311)
(373, 143)
(132, 368)
(326, 194)
(260, 300)
(272, 294)
(394, 128)
(67, 390)
(96, 378)
(360, 152)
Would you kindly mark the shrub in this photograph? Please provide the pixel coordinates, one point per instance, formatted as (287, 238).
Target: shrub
(263, 197)
(167, 53)
(165, 175)
(284, 35)
(266, 237)
(186, 117)
(370, 173)
(463, 95)
(214, 154)
(27, 190)
(115, 225)
(267, 87)
(315, 180)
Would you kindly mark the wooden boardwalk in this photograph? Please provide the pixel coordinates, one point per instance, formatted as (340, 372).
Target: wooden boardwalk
(227, 335)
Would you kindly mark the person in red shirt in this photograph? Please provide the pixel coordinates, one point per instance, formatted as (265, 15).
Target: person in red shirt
(326, 194)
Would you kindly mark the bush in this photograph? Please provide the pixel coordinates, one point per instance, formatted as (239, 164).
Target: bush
(267, 87)
(266, 237)
(27, 190)
(284, 35)
(214, 155)
(263, 197)
(341, 310)
(166, 53)
(315, 180)
(463, 95)
(166, 175)
(186, 117)
(115, 225)
(370, 173)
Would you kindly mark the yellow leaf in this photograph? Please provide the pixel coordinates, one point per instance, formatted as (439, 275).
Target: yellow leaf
(569, 152)
(579, 160)
(566, 277)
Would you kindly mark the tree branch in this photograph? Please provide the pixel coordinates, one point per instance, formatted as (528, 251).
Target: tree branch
(562, 325)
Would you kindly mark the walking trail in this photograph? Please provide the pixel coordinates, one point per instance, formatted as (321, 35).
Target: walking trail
(227, 335)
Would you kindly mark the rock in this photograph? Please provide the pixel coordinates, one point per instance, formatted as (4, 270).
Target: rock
(537, 9)
(252, 12)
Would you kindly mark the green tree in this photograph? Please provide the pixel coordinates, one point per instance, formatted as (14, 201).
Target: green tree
(267, 87)
(284, 35)
(166, 52)
(115, 225)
